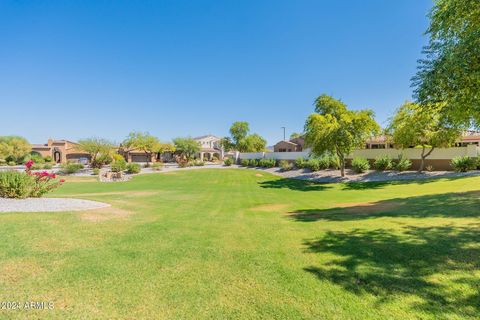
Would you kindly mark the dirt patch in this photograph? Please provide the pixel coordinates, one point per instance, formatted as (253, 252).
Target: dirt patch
(269, 207)
(17, 270)
(369, 207)
(104, 214)
(258, 175)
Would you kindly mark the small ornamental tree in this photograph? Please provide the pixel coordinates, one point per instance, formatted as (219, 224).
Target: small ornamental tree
(186, 148)
(334, 128)
(96, 148)
(413, 126)
(142, 141)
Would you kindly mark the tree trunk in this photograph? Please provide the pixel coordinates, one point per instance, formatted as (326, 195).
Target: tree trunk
(149, 156)
(423, 156)
(342, 163)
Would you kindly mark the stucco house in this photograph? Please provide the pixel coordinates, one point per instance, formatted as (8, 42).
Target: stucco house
(292, 145)
(61, 151)
(210, 147)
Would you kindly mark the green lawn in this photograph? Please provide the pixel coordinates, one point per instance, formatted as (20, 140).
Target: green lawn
(236, 244)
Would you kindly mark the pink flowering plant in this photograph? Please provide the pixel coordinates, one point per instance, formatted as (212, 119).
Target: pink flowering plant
(43, 182)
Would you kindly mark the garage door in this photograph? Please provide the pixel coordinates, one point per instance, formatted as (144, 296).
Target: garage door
(139, 158)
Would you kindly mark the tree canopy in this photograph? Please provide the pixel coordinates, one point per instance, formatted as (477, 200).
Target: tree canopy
(335, 129)
(449, 74)
(187, 147)
(239, 131)
(95, 147)
(241, 141)
(295, 135)
(412, 126)
(143, 141)
(14, 147)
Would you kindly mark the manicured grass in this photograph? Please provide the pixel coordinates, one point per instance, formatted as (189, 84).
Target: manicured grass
(230, 244)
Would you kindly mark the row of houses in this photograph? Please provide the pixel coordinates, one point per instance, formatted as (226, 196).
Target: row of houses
(62, 151)
(440, 159)
(379, 142)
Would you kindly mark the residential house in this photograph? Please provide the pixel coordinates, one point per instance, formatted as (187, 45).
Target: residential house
(210, 147)
(292, 145)
(61, 151)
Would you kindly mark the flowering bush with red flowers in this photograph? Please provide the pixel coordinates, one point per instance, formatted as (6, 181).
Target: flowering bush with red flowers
(43, 182)
(19, 185)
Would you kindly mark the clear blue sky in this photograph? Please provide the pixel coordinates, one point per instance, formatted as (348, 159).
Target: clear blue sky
(74, 69)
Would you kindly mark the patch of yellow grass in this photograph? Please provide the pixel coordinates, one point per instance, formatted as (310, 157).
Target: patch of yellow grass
(16, 270)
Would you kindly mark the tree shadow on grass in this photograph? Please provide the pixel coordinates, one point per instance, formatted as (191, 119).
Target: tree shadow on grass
(452, 205)
(394, 265)
(293, 184)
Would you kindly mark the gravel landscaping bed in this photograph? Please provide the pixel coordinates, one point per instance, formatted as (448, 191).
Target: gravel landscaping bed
(48, 205)
(370, 176)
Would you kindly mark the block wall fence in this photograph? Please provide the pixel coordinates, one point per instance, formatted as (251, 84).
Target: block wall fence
(439, 159)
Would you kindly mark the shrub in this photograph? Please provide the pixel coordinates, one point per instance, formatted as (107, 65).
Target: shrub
(48, 159)
(20, 185)
(253, 162)
(285, 165)
(403, 164)
(44, 182)
(157, 166)
(101, 160)
(244, 162)
(37, 166)
(117, 156)
(15, 184)
(360, 165)
(383, 163)
(324, 162)
(3, 162)
(119, 165)
(12, 163)
(300, 163)
(47, 166)
(96, 171)
(70, 168)
(36, 158)
(133, 168)
(228, 162)
(267, 163)
(463, 164)
(313, 164)
(429, 168)
(198, 163)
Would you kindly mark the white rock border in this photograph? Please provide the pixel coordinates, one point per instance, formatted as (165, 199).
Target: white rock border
(49, 205)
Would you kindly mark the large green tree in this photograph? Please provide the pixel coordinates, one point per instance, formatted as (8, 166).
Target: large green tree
(95, 147)
(252, 143)
(241, 141)
(334, 128)
(14, 147)
(412, 126)
(186, 148)
(143, 141)
(449, 74)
